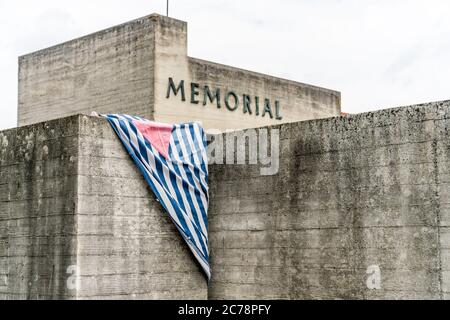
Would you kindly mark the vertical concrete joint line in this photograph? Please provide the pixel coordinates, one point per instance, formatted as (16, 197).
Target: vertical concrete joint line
(77, 192)
(153, 94)
(438, 216)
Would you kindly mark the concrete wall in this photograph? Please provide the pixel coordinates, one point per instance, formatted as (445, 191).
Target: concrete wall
(110, 71)
(298, 101)
(367, 190)
(38, 166)
(371, 189)
(73, 201)
(126, 69)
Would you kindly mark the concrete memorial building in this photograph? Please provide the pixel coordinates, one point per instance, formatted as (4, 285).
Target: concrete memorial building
(142, 68)
(359, 208)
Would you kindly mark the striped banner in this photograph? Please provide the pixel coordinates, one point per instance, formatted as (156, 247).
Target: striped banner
(173, 160)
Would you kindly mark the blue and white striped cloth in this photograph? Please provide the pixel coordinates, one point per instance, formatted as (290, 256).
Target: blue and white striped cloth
(178, 175)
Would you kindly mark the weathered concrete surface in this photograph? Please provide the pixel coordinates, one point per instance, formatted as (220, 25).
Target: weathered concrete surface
(110, 71)
(298, 101)
(73, 201)
(125, 69)
(371, 189)
(38, 166)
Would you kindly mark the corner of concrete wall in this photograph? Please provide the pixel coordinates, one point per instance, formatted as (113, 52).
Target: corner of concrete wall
(171, 61)
(37, 210)
(110, 71)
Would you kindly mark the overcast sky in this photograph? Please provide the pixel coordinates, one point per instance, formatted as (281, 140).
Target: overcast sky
(378, 53)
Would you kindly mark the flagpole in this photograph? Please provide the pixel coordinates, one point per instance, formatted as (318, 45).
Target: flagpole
(167, 11)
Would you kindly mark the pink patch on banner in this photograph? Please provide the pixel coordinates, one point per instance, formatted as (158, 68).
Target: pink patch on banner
(158, 134)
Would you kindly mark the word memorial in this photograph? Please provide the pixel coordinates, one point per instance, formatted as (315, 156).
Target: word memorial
(249, 105)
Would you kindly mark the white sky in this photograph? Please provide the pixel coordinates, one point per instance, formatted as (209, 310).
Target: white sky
(378, 53)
